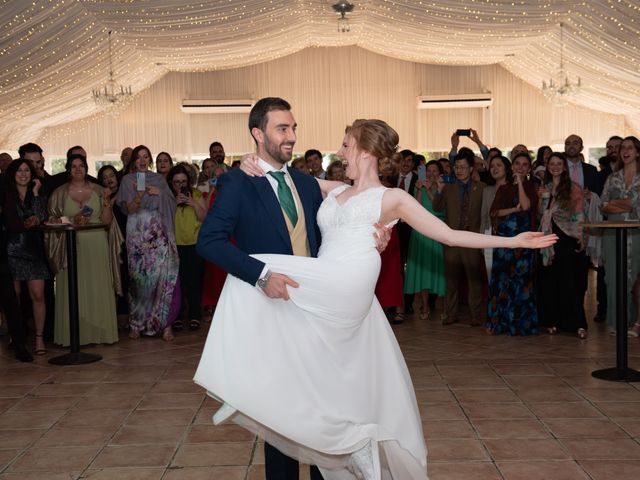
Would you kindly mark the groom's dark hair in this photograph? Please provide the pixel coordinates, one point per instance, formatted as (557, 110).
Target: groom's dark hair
(258, 114)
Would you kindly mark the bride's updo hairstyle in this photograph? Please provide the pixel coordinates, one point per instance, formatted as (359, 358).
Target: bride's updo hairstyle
(375, 137)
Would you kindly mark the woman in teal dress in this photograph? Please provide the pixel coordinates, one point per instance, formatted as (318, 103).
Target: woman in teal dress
(425, 260)
(154, 292)
(83, 202)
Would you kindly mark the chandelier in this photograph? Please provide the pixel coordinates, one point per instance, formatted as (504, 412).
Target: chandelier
(343, 7)
(112, 96)
(560, 88)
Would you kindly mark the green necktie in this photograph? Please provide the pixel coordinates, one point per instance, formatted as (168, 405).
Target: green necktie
(286, 198)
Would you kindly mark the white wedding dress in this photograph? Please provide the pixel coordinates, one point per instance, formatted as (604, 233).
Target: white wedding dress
(319, 376)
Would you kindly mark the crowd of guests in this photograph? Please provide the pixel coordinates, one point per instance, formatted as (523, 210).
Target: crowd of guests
(141, 268)
(145, 254)
(519, 291)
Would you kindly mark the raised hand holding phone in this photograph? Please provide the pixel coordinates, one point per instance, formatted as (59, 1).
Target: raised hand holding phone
(140, 182)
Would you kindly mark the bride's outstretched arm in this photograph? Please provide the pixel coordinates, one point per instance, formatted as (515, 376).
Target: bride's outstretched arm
(399, 204)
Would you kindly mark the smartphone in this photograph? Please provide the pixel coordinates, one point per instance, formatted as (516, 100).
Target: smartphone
(422, 172)
(140, 180)
(86, 211)
(185, 191)
(213, 181)
(448, 179)
(463, 132)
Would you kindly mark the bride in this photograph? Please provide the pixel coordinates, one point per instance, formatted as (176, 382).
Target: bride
(341, 396)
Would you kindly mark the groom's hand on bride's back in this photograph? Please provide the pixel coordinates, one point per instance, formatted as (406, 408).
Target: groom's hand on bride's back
(382, 236)
(277, 286)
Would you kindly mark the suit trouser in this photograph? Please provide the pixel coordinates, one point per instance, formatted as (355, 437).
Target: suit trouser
(191, 272)
(280, 467)
(456, 261)
(404, 234)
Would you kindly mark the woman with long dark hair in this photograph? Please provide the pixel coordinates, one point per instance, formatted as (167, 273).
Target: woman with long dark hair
(84, 202)
(109, 178)
(164, 163)
(190, 214)
(151, 248)
(621, 191)
(512, 303)
(561, 206)
(23, 209)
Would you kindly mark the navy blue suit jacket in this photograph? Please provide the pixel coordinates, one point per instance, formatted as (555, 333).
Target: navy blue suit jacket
(247, 209)
(592, 180)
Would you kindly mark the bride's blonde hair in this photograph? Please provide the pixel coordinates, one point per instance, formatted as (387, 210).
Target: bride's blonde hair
(377, 138)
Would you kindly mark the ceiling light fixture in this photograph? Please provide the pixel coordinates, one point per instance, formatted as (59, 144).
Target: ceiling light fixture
(560, 88)
(112, 96)
(343, 7)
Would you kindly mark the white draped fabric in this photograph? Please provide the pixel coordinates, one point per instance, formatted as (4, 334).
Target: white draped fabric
(54, 52)
(328, 88)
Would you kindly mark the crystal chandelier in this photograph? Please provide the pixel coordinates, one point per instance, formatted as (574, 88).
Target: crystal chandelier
(112, 96)
(560, 88)
(343, 7)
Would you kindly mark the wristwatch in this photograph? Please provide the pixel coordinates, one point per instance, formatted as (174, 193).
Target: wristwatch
(262, 282)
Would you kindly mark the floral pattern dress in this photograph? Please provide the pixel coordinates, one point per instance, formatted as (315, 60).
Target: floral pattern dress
(512, 301)
(615, 188)
(154, 289)
(153, 273)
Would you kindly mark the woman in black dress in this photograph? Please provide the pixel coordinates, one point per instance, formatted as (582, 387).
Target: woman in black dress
(561, 302)
(25, 209)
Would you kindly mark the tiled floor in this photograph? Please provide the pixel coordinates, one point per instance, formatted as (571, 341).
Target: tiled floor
(492, 408)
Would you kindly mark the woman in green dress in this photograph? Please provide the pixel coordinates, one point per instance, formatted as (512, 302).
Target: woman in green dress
(425, 260)
(83, 202)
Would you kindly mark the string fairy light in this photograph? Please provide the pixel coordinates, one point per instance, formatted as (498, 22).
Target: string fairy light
(52, 51)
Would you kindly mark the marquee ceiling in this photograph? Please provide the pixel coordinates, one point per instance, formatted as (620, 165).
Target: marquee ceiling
(54, 52)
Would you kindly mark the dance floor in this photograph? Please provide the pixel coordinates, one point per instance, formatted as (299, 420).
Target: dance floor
(492, 408)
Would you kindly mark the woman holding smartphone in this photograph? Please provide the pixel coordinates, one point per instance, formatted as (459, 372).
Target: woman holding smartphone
(84, 202)
(151, 248)
(425, 260)
(189, 216)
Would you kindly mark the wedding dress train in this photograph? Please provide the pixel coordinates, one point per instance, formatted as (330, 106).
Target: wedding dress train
(320, 376)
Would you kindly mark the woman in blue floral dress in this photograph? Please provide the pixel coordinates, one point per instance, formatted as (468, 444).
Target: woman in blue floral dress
(512, 304)
(151, 248)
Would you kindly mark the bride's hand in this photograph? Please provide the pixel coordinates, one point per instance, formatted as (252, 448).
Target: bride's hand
(534, 240)
(382, 236)
(277, 286)
(249, 165)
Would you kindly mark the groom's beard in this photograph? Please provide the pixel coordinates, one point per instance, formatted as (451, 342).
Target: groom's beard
(276, 151)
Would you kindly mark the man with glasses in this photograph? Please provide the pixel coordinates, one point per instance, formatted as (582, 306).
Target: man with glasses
(461, 202)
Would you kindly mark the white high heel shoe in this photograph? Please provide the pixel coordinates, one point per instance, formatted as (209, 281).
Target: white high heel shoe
(365, 463)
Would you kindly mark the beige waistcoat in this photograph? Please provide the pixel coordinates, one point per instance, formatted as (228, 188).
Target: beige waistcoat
(298, 234)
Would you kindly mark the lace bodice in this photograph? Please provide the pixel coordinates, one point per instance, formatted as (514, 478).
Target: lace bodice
(362, 209)
(349, 226)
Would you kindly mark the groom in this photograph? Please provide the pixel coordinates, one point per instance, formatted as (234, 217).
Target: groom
(271, 214)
